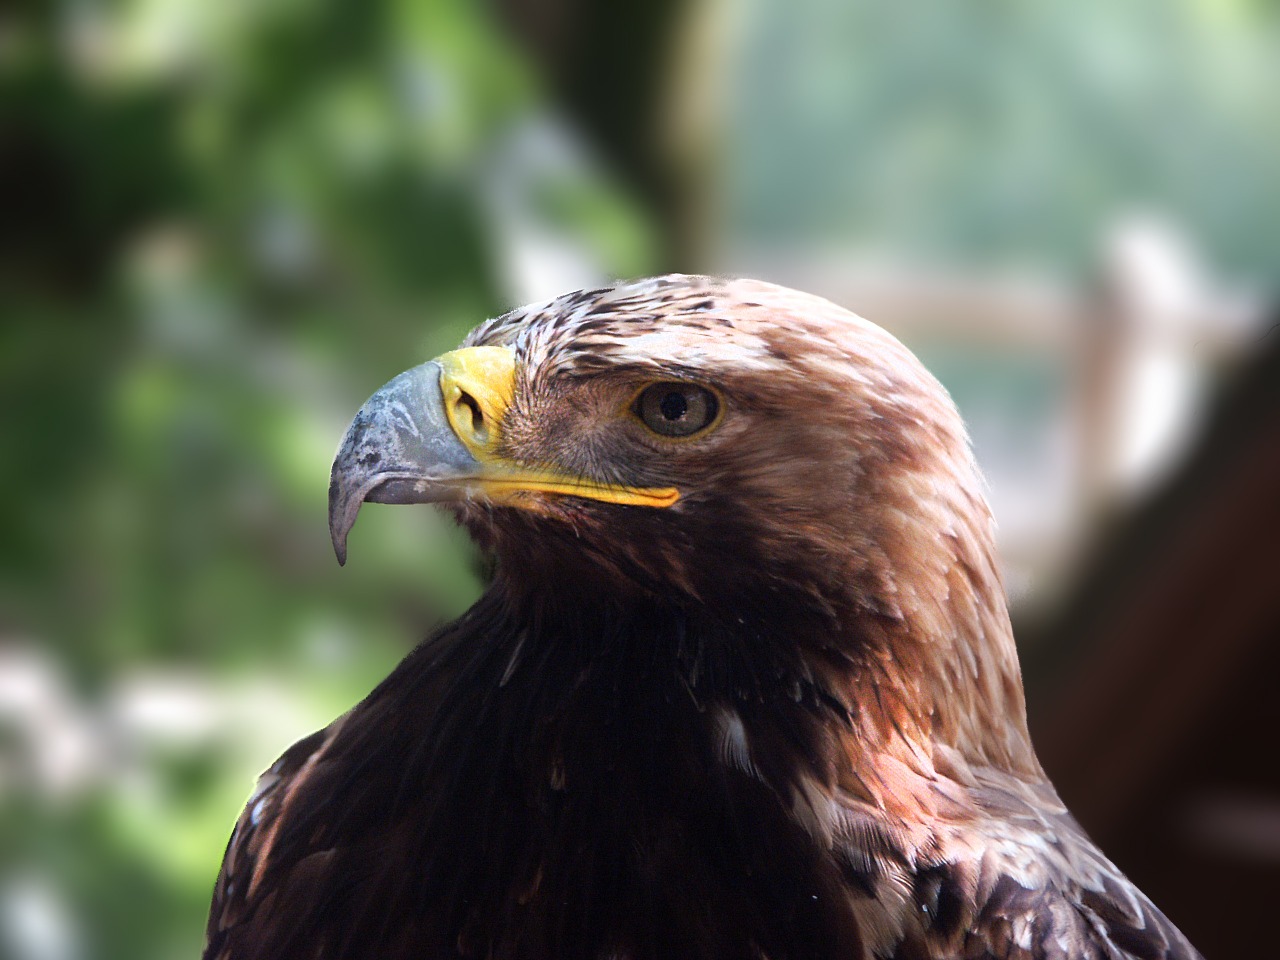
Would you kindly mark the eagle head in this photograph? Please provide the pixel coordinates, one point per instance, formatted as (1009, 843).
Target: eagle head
(683, 436)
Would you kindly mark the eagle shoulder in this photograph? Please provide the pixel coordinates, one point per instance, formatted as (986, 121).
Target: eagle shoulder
(1024, 881)
(240, 895)
(1050, 921)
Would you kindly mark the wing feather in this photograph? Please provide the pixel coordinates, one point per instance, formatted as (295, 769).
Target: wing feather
(238, 893)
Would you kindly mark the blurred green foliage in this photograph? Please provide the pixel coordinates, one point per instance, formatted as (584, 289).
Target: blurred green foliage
(225, 224)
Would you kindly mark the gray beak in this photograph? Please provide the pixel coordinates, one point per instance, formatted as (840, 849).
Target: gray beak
(400, 448)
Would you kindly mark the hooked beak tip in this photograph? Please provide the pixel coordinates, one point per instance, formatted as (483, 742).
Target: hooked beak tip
(339, 524)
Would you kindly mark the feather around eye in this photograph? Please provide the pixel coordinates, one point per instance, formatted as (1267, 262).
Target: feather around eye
(676, 409)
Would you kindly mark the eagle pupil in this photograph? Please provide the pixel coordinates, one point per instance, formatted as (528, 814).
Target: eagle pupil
(674, 406)
(676, 409)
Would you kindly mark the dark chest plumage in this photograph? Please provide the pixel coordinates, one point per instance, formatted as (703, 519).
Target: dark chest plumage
(559, 789)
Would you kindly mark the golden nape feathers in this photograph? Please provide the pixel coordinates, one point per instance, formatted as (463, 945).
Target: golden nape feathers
(743, 685)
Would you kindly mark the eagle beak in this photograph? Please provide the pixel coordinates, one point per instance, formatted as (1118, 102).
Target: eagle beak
(400, 448)
(432, 435)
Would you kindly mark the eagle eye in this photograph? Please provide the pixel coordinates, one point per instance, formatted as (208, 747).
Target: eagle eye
(676, 409)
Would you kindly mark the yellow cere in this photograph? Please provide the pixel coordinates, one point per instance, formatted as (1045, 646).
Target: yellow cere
(477, 383)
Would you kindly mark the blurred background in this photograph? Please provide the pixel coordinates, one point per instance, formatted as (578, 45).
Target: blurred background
(223, 225)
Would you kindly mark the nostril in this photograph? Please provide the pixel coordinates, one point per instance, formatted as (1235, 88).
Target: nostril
(477, 418)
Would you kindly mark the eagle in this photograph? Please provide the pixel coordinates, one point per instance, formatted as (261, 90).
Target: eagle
(743, 685)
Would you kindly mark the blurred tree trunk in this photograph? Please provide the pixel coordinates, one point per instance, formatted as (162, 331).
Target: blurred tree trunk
(634, 75)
